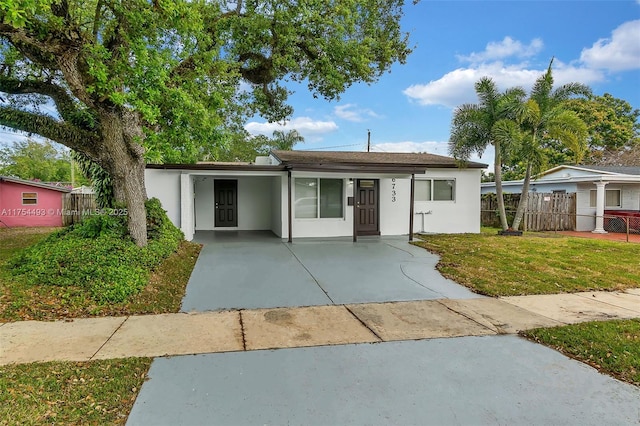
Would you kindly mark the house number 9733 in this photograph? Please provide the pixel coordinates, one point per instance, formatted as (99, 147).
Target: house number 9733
(393, 190)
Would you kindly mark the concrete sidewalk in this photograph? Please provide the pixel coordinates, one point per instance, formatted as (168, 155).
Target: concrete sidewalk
(254, 329)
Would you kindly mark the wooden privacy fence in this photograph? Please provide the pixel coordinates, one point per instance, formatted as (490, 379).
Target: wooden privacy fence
(76, 206)
(544, 212)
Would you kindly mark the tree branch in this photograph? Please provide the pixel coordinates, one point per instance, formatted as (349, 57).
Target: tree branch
(61, 132)
(64, 102)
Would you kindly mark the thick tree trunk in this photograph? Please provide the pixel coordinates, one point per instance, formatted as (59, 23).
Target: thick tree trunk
(497, 173)
(123, 158)
(524, 198)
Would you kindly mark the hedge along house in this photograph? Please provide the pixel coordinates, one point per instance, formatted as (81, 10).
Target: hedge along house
(298, 194)
(27, 203)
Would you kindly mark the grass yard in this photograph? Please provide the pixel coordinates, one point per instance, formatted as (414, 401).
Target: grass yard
(544, 264)
(74, 393)
(21, 301)
(613, 347)
(534, 263)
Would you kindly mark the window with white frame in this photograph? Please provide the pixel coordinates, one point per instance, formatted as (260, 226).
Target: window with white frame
(318, 198)
(612, 198)
(29, 198)
(434, 190)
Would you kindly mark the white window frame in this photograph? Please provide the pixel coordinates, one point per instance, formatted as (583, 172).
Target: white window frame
(593, 198)
(318, 204)
(431, 184)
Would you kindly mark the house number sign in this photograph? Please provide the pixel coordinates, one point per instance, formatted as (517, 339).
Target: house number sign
(393, 190)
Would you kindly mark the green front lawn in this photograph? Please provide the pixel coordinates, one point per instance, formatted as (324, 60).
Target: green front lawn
(612, 347)
(534, 263)
(20, 300)
(79, 393)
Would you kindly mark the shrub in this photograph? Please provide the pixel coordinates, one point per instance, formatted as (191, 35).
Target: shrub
(98, 255)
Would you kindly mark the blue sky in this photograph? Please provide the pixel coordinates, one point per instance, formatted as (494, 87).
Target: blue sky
(458, 42)
(455, 44)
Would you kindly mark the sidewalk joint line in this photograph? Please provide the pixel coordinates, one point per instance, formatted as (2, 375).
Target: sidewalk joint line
(595, 299)
(462, 314)
(107, 341)
(310, 274)
(363, 323)
(244, 341)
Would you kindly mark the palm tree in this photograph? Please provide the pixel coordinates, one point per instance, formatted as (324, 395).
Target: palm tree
(286, 141)
(490, 122)
(546, 118)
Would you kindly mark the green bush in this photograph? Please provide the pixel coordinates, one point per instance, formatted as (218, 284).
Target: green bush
(99, 256)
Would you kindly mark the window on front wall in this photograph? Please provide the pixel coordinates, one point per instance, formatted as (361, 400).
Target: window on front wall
(29, 198)
(318, 198)
(435, 190)
(612, 198)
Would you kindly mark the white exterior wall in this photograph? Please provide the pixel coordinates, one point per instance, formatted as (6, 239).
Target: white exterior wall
(585, 215)
(263, 203)
(394, 215)
(461, 215)
(276, 205)
(165, 186)
(322, 227)
(204, 202)
(630, 197)
(255, 208)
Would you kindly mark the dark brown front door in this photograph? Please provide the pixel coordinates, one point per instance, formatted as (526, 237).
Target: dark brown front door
(367, 207)
(226, 203)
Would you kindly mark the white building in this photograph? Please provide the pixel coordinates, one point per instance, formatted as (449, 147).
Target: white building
(298, 194)
(597, 188)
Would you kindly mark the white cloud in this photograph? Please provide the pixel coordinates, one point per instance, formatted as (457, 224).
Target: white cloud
(506, 48)
(618, 53)
(312, 130)
(351, 112)
(457, 87)
(431, 147)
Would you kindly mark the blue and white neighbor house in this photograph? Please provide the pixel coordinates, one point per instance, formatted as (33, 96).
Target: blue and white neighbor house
(597, 188)
(298, 194)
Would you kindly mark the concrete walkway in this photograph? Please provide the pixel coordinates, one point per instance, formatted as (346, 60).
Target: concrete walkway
(255, 329)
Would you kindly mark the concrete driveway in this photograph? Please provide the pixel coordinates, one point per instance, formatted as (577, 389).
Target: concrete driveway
(247, 270)
(498, 379)
(491, 380)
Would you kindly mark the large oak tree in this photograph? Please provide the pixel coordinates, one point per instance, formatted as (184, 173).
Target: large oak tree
(156, 79)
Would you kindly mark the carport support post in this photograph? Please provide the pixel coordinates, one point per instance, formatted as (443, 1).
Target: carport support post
(412, 196)
(355, 210)
(289, 221)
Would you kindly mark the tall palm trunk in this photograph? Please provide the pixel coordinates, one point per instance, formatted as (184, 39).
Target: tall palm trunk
(524, 198)
(497, 173)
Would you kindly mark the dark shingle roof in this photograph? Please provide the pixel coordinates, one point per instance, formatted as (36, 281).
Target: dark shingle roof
(625, 170)
(369, 159)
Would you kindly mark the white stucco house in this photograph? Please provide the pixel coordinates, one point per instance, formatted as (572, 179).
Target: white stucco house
(597, 188)
(322, 194)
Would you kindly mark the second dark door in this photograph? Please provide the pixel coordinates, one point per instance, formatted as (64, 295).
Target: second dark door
(367, 207)
(226, 203)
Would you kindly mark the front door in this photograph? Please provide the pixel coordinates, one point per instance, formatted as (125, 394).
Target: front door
(367, 207)
(226, 203)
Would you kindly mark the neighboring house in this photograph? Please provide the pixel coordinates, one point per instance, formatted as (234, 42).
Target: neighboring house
(27, 203)
(597, 188)
(318, 194)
